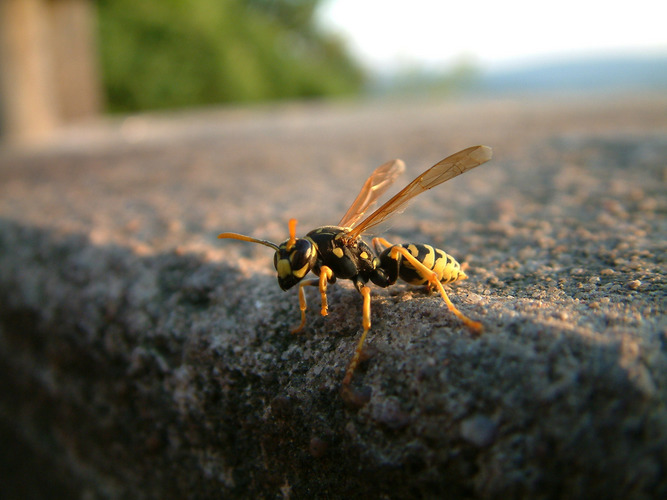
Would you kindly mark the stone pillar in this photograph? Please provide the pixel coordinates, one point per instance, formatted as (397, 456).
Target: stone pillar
(48, 66)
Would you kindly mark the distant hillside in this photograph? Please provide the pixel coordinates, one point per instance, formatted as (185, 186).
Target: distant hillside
(595, 73)
(599, 74)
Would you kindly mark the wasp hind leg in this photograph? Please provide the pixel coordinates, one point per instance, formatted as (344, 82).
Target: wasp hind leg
(379, 244)
(433, 281)
(325, 275)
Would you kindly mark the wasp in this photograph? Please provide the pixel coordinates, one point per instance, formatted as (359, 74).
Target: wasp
(339, 252)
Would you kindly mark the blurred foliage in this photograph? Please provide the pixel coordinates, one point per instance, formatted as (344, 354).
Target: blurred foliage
(172, 53)
(462, 77)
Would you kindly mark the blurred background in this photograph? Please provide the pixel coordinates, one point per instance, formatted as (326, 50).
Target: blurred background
(68, 61)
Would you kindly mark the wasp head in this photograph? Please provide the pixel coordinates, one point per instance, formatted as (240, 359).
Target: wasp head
(294, 258)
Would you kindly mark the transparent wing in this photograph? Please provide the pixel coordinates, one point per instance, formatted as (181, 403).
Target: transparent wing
(376, 184)
(442, 171)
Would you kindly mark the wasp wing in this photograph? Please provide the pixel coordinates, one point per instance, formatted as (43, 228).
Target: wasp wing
(442, 171)
(376, 184)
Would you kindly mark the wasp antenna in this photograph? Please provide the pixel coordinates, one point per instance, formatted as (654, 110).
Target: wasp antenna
(242, 237)
(292, 234)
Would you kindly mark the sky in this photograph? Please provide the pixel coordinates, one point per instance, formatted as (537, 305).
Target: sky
(387, 35)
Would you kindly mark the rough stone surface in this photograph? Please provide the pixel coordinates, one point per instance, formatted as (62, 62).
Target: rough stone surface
(140, 357)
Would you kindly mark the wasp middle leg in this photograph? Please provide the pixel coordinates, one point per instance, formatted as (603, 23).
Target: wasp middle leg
(366, 323)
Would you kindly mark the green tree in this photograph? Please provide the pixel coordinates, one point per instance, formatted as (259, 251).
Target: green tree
(173, 53)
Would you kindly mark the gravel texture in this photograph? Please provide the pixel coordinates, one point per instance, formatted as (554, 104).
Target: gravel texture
(140, 357)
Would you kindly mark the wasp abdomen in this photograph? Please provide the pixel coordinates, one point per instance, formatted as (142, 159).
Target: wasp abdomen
(444, 265)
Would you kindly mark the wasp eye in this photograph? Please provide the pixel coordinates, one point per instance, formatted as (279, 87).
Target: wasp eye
(294, 264)
(301, 254)
(275, 260)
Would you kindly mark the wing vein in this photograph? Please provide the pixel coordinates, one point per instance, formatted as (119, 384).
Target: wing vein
(376, 184)
(442, 171)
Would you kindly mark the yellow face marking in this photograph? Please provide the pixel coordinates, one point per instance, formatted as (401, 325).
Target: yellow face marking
(284, 268)
(413, 250)
(338, 252)
(300, 273)
(363, 255)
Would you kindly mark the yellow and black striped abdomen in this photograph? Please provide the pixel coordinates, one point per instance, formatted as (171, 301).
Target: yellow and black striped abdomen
(444, 265)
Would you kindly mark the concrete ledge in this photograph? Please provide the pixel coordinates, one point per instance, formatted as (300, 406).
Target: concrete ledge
(140, 358)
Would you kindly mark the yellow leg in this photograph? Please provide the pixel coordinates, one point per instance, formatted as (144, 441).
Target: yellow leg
(433, 280)
(325, 275)
(366, 322)
(380, 241)
(303, 304)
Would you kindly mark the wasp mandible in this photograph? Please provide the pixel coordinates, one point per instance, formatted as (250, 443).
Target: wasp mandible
(333, 252)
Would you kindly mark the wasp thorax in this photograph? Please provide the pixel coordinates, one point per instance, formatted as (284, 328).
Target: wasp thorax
(293, 259)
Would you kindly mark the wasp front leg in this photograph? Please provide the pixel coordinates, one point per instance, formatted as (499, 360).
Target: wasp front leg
(326, 274)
